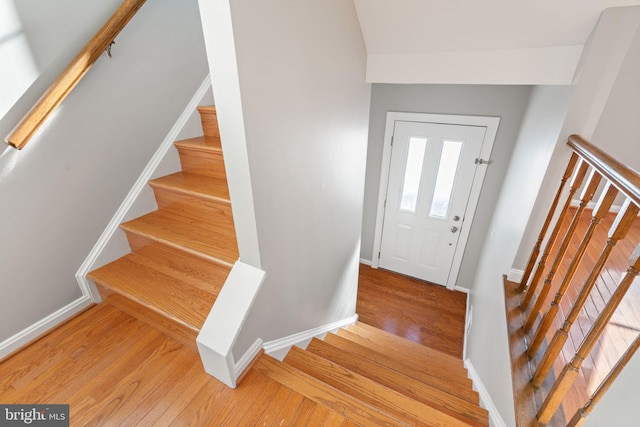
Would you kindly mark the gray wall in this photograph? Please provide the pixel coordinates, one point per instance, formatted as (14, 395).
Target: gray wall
(301, 68)
(507, 102)
(58, 193)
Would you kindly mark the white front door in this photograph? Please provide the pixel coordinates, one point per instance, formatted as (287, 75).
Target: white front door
(431, 174)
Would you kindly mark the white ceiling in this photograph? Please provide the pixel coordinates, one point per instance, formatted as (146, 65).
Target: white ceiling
(426, 27)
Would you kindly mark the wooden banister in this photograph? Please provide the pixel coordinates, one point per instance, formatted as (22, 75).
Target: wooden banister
(74, 72)
(599, 212)
(571, 370)
(575, 186)
(581, 415)
(624, 178)
(618, 231)
(543, 231)
(587, 195)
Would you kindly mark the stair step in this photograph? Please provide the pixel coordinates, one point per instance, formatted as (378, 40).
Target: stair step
(430, 366)
(209, 119)
(321, 393)
(368, 391)
(167, 229)
(435, 380)
(168, 300)
(404, 345)
(401, 383)
(192, 194)
(202, 156)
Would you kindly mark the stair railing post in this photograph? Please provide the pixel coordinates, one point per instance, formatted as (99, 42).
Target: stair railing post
(581, 414)
(618, 231)
(601, 209)
(570, 372)
(575, 185)
(587, 195)
(536, 248)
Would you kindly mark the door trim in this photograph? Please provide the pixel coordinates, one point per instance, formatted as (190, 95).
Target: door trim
(491, 123)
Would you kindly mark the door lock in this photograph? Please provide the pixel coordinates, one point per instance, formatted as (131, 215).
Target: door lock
(454, 229)
(456, 218)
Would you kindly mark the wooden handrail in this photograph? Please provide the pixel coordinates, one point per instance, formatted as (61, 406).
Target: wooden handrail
(71, 75)
(624, 178)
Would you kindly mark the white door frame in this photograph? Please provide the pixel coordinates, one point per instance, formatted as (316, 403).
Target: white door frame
(491, 123)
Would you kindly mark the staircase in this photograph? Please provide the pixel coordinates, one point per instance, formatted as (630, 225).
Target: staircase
(371, 377)
(181, 253)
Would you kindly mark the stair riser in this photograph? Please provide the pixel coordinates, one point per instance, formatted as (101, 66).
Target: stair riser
(433, 379)
(167, 326)
(194, 207)
(142, 244)
(203, 163)
(209, 120)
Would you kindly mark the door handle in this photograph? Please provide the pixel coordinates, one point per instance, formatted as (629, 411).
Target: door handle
(454, 229)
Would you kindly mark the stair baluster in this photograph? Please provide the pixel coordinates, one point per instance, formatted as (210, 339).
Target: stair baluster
(571, 370)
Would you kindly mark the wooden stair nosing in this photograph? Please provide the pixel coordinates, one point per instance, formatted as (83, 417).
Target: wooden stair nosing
(182, 333)
(404, 384)
(370, 392)
(204, 144)
(437, 380)
(395, 341)
(433, 366)
(203, 269)
(207, 244)
(323, 394)
(174, 298)
(200, 186)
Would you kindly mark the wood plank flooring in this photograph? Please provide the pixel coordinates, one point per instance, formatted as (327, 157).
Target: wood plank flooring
(115, 370)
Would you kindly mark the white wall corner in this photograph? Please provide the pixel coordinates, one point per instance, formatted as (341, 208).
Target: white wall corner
(515, 275)
(34, 331)
(224, 322)
(280, 347)
(495, 419)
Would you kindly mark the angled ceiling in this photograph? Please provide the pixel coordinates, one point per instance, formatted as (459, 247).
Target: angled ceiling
(489, 41)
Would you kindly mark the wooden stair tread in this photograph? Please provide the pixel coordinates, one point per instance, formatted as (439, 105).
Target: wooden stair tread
(402, 344)
(176, 299)
(404, 384)
(428, 369)
(201, 143)
(368, 391)
(205, 187)
(442, 382)
(202, 240)
(319, 392)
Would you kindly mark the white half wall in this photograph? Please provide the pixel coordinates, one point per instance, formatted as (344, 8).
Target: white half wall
(304, 106)
(487, 345)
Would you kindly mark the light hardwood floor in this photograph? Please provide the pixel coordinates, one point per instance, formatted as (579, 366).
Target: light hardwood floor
(114, 370)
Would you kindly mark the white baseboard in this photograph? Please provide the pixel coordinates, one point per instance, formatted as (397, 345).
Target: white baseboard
(495, 419)
(285, 343)
(461, 289)
(34, 331)
(365, 261)
(247, 358)
(515, 275)
(145, 176)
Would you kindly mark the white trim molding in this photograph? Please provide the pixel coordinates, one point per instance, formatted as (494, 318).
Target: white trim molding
(491, 125)
(300, 338)
(485, 399)
(515, 275)
(34, 331)
(246, 359)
